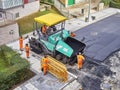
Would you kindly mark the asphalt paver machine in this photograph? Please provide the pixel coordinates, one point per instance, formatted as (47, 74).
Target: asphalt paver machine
(57, 42)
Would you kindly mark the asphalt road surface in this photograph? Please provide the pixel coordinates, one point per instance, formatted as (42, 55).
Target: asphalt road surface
(101, 38)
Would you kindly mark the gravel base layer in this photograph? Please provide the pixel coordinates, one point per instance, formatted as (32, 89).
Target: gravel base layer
(94, 77)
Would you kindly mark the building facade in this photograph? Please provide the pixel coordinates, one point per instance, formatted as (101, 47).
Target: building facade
(68, 3)
(10, 11)
(15, 9)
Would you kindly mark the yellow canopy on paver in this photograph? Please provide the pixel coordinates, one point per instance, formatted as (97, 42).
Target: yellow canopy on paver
(50, 19)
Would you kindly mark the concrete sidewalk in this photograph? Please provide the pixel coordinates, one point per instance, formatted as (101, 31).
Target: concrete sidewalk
(49, 82)
(77, 23)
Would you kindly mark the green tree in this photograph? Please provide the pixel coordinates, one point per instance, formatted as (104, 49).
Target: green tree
(117, 1)
(51, 1)
(106, 2)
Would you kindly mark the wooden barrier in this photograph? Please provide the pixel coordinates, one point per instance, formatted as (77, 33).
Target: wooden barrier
(56, 68)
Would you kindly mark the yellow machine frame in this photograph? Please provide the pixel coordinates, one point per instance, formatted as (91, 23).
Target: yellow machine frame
(50, 19)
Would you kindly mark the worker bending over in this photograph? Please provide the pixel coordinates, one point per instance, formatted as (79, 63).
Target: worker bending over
(72, 34)
(21, 43)
(45, 64)
(27, 49)
(80, 59)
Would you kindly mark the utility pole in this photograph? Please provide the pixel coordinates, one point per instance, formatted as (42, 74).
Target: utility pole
(89, 8)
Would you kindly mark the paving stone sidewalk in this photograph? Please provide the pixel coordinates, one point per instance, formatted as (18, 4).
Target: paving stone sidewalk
(48, 82)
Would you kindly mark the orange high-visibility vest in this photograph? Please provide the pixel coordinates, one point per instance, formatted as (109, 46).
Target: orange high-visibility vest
(80, 58)
(45, 65)
(21, 43)
(45, 62)
(72, 34)
(44, 29)
(27, 49)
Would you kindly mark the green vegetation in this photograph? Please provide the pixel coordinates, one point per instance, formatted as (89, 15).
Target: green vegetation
(112, 3)
(13, 68)
(26, 23)
(4, 60)
(115, 3)
(47, 1)
(2, 65)
(106, 2)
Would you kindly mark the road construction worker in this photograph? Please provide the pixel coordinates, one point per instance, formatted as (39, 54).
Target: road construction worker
(72, 34)
(45, 64)
(44, 30)
(80, 59)
(21, 43)
(27, 49)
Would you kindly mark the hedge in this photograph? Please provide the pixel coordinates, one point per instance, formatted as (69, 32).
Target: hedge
(17, 70)
(106, 2)
(114, 4)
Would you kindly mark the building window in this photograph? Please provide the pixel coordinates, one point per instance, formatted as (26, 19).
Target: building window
(17, 15)
(0, 15)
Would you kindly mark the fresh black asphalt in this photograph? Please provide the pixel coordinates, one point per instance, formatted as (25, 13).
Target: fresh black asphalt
(101, 38)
